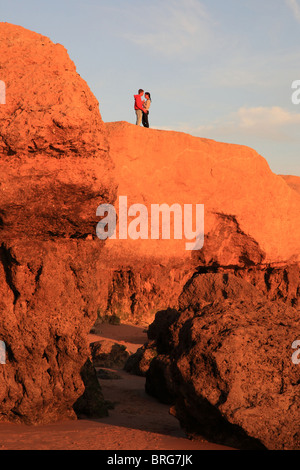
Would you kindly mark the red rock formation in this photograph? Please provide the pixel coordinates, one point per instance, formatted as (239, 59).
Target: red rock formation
(224, 359)
(251, 217)
(54, 166)
(155, 166)
(56, 276)
(54, 171)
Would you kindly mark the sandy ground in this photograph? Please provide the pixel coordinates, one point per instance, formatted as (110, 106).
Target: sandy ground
(137, 422)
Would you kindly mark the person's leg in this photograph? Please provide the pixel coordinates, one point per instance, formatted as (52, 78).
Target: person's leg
(145, 119)
(139, 115)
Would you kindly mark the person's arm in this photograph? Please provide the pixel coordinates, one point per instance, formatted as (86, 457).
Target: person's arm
(139, 103)
(146, 106)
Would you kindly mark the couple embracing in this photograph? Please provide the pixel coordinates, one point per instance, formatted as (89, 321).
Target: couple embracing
(142, 108)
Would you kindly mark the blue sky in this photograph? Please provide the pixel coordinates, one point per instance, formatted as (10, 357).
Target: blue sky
(216, 69)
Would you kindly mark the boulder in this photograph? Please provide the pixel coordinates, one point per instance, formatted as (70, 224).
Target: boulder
(139, 362)
(91, 403)
(107, 353)
(227, 364)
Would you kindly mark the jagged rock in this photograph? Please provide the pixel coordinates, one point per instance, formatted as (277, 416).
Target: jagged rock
(227, 245)
(106, 353)
(159, 381)
(134, 290)
(91, 403)
(278, 282)
(139, 362)
(272, 281)
(227, 364)
(55, 170)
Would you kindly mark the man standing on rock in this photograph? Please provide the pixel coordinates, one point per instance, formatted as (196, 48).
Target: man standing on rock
(138, 106)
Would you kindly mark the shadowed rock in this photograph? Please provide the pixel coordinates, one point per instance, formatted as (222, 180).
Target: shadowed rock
(139, 362)
(227, 364)
(91, 403)
(106, 353)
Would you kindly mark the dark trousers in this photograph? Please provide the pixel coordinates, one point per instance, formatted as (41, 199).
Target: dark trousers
(145, 119)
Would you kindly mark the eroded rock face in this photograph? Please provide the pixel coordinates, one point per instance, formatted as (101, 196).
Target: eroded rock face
(227, 245)
(251, 219)
(137, 291)
(134, 290)
(233, 181)
(54, 171)
(223, 356)
(224, 359)
(54, 167)
(56, 276)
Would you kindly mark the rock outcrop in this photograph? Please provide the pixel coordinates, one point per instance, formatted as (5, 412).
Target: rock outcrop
(251, 219)
(91, 403)
(54, 171)
(224, 360)
(156, 167)
(222, 348)
(132, 290)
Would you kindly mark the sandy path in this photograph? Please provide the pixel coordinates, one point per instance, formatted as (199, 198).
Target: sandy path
(138, 421)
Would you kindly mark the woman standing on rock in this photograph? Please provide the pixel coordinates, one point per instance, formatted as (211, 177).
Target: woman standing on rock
(146, 106)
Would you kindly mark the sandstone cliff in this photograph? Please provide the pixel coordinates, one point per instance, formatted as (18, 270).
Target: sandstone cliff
(58, 163)
(153, 166)
(54, 171)
(251, 218)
